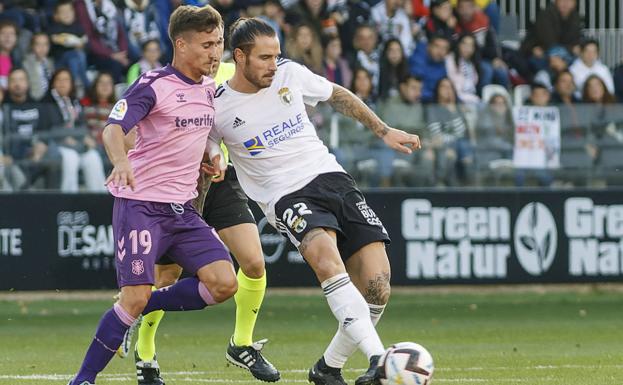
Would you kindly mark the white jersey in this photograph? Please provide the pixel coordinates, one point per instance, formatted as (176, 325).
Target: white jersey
(272, 143)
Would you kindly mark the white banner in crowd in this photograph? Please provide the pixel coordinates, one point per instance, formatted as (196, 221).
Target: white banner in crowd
(537, 137)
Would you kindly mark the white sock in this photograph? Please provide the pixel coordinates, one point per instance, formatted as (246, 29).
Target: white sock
(342, 347)
(353, 314)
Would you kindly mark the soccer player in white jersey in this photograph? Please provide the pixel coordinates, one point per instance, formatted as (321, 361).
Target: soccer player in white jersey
(154, 183)
(282, 165)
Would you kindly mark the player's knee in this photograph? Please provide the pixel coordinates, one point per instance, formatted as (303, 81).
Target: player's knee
(225, 289)
(329, 267)
(166, 278)
(254, 267)
(134, 303)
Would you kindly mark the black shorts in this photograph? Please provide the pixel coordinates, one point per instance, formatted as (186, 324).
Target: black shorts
(333, 201)
(226, 205)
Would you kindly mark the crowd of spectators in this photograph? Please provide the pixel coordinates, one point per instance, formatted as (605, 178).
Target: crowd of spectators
(432, 67)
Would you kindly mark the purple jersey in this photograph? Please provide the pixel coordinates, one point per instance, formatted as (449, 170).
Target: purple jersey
(173, 115)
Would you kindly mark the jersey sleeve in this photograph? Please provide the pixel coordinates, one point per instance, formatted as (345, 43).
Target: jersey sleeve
(135, 104)
(315, 88)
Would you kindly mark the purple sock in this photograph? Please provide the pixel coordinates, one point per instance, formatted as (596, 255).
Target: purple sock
(108, 337)
(186, 294)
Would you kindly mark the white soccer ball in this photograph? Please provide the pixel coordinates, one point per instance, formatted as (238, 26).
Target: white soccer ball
(406, 363)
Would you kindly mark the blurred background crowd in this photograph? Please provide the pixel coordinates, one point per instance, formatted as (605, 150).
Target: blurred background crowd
(449, 70)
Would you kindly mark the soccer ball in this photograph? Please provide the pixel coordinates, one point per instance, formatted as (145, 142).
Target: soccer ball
(406, 363)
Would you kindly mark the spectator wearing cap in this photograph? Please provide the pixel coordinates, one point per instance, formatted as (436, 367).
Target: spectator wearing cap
(428, 62)
(588, 64)
(391, 20)
(473, 20)
(558, 24)
(559, 60)
(442, 20)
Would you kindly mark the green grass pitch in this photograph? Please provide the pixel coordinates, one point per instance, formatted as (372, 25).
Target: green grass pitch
(559, 337)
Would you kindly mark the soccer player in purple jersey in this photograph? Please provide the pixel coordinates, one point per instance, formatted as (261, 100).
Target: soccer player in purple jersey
(154, 184)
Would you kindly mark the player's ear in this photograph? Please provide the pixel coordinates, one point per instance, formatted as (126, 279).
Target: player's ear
(239, 55)
(180, 44)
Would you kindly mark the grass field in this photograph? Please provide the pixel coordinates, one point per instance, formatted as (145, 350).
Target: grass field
(560, 337)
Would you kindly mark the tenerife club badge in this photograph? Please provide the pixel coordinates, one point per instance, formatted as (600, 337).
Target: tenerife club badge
(286, 96)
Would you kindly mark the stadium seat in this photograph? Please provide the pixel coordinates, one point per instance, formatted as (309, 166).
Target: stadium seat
(509, 32)
(521, 94)
(493, 89)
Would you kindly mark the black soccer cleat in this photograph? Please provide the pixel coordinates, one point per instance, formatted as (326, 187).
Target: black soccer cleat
(147, 372)
(322, 374)
(371, 376)
(251, 358)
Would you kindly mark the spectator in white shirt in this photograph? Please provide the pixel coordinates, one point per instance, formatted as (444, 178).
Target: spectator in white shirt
(589, 64)
(391, 20)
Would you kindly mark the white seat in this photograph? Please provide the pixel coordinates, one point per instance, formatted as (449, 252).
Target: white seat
(521, 93)
(490, 90)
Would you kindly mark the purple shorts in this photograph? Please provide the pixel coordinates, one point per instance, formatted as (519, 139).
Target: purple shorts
(145, 231)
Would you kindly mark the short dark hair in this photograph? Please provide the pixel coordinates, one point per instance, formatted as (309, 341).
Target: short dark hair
(407, 77)
(438, 36)
(190, 18)
(588, 42)
(243, 32)
(536, 86)
(60, 3)
(36, 35)
(9, 23)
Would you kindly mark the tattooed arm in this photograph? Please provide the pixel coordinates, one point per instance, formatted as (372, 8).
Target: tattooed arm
(345, 102)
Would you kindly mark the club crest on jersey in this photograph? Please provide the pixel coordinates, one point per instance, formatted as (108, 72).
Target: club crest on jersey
(285, 95)
(119, 110)
(138, 267)
(210, 96)
(254, 145)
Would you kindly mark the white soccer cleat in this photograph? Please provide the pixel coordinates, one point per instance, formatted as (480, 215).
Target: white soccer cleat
(126, 344)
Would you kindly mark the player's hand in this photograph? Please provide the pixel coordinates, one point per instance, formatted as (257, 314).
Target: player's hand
(213, 169)
(122, 175)
(402, 141)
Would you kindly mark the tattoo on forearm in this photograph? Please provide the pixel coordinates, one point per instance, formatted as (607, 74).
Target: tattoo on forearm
(308, 238)
(345, 102)
(378, 289)
(203, 185)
